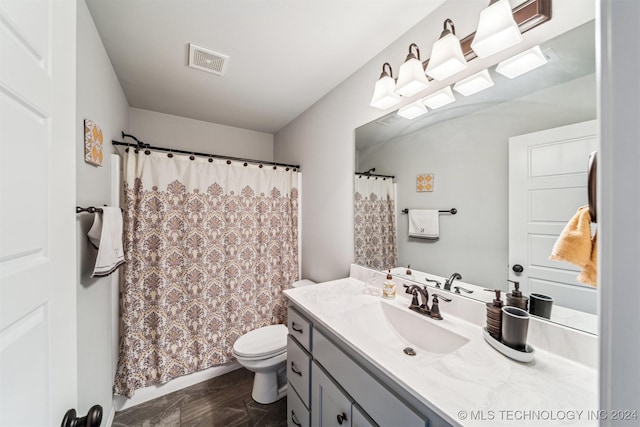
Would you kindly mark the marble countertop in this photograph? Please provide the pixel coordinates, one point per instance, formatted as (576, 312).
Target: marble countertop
(472, 386)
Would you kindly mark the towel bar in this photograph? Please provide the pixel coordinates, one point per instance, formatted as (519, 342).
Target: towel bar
(90, 209)
(451, 211)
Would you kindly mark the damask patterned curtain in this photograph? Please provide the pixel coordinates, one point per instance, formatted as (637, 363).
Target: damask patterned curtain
(375, 223)
(209, 247)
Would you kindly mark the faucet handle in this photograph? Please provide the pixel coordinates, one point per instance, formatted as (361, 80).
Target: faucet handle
(457, 290)
(433, 281)
(435, 307)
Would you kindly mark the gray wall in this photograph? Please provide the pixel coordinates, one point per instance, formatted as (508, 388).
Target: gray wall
(322, 138)
(469, 156)
(165, 130)
(99, 98)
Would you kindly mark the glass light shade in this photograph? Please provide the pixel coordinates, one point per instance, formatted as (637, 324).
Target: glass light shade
(522, 63)
(383, 95)
(446, 58)
(439, 98)
(497, 30)
(474, 84)
(412, 111)
(411, 78)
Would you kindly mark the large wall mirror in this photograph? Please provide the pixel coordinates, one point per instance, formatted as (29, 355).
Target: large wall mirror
(464, 148)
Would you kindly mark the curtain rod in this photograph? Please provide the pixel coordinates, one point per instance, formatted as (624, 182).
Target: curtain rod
(139, 145)
(368, 174)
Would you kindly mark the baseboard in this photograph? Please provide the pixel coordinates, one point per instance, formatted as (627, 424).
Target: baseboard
(142, 395)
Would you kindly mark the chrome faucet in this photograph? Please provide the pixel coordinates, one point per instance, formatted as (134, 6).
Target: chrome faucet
(449, 281)
(424, 296)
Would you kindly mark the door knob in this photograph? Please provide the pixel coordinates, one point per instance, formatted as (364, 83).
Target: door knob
(92, 419)
(517, 268)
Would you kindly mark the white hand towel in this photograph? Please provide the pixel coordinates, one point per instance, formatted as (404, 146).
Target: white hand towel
(424, 223)
(106, 235)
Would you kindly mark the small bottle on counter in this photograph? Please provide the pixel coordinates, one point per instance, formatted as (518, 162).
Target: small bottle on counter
(409, 270)
(389, 288)
(494, 315)
(515, 298)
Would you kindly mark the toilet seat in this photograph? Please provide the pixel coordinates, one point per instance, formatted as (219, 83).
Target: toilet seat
(262, 343)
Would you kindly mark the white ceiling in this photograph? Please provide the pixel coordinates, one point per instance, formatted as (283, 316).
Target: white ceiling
(284, 54)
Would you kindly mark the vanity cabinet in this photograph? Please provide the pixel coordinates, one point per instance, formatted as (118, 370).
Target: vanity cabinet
(332, 389)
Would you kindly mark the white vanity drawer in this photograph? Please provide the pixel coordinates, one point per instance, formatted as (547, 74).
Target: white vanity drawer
(299, 328)
(297, 413)
(384, 407)
(298, 369)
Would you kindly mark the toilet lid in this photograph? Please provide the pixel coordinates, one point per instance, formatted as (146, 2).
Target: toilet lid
(262, 341)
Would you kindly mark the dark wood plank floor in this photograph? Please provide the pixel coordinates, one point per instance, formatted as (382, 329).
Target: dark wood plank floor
(222, 401)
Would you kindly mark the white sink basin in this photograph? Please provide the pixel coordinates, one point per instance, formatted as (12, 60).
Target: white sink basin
(400, 327)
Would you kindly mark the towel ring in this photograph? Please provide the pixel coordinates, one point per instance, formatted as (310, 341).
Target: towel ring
(592, 186)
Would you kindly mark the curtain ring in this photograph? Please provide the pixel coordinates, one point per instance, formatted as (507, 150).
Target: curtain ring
(192, 157)
(170, 155)
(147, 152)
(275, 167)
(295, 170)
(228, 162)
(210, 159)
(287, 169)
(126, 150)
(260, 166)
(245, 164)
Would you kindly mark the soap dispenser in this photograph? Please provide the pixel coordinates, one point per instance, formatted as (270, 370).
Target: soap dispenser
(409, 270)
(515, 298)
(389, 288)
(494, 315)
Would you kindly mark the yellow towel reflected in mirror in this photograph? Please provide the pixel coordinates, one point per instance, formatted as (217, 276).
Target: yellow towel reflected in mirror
(576, 246)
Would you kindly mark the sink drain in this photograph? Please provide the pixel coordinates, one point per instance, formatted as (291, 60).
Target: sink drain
(409, 351)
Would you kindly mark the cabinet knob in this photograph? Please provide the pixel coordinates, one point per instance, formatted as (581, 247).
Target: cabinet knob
(342, 417)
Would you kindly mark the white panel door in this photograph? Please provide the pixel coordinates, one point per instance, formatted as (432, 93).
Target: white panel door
(37, 220)
(547, 184)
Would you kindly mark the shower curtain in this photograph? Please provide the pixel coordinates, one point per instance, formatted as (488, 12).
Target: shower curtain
(210, 246)
(375, 223)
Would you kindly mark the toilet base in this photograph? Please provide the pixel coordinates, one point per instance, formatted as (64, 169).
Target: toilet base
(265, 388)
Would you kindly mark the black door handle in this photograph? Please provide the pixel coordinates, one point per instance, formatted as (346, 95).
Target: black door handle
(517, 268)
(92, 419)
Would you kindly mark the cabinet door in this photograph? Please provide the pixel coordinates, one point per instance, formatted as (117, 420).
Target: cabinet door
(331, 406)
(360, 418)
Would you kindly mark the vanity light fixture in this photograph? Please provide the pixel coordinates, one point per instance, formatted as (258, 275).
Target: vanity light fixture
(474, 84)
(447, 58)
(383, 94)
(439, 98)
(411, 77)
(413, 110)
(497, 29)
(522, 63)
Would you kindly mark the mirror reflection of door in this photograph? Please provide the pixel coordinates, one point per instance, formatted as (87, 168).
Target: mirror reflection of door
(547, 184)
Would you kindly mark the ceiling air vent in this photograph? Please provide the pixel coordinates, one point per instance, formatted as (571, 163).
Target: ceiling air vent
(207, 60)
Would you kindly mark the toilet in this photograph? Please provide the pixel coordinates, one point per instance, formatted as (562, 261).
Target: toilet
(264, 351)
